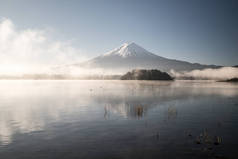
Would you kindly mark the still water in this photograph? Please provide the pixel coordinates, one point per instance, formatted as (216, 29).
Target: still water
(118, 119)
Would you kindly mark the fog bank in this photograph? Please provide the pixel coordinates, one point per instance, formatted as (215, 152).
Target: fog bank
(31, 50)
(222, 73)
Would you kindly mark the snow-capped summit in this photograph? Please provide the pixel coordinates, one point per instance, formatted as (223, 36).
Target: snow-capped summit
(129, 49)
(132, 56)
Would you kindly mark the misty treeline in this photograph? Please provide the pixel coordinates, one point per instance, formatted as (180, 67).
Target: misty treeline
(59, 77)
(223, 73)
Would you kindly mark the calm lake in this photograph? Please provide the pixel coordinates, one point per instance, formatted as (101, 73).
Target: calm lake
(118, 119)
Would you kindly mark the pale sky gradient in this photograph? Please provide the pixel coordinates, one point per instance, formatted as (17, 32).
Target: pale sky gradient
(204, 31)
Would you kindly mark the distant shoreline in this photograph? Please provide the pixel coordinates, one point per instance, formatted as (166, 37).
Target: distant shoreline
(93, 77)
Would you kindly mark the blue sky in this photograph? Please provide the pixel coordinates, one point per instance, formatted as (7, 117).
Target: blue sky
(204, 31)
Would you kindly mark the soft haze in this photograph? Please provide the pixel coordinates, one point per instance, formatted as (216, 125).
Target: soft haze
(32, 50)
(68, 31)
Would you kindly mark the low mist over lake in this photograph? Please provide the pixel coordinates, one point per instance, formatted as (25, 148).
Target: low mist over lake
(117, 119)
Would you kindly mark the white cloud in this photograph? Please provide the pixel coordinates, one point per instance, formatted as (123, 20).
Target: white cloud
(32, 50)
(211, 74)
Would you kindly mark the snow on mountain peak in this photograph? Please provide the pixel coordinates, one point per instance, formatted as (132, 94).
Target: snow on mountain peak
(128, 50)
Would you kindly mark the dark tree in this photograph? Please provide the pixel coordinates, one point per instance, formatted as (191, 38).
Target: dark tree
(141, 74)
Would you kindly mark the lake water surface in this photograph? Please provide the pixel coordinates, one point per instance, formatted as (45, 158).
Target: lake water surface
(118, 119)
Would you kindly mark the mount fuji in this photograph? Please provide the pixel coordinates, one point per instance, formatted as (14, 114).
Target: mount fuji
(132, 56)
